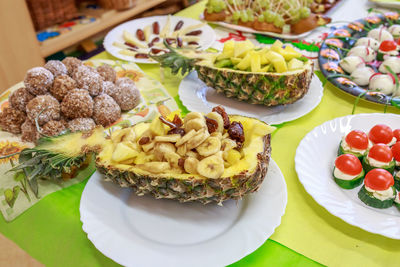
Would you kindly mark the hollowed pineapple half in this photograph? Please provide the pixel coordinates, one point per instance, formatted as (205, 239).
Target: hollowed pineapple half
(272, 76)
(213, 171)
(206, 158)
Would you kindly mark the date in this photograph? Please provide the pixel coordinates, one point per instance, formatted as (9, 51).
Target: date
(179, 42)
(212, 125)
(221, 111)
(156, 51)
(155, 40)
(236, 133)
(170, 41)
(141, 55)
(156, 28)
(180, 131)
(140, 34)
(178, 26)
(194, 33)
(131, 45)
(144, 140)
(181, 162)
(177, 121)
(193, 43)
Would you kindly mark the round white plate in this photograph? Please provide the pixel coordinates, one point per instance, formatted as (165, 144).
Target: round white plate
(143, 231)
(314, 160)
(207, 37)
(197, 96)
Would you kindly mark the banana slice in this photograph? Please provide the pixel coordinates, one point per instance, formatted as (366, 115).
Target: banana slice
(211, 167)
(173, 159)
(216, 134)
(192, 154)
(210, 146)
(198, 139)
(154, 167)
(173, 138)
(192, 116)
(218, 118)
(181, 150)
(195, 124)
(190, 165)
(228, 144)
(186, 137)
(161, 149)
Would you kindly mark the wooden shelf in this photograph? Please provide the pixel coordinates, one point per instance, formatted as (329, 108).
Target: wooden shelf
(107, 20)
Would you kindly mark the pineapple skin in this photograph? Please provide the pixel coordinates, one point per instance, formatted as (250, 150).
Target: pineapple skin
(186, 190)
(268, 89)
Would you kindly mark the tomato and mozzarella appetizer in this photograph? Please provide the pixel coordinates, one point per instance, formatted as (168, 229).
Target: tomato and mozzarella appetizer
(384, 83)
(362, 75)
(379, 156)
(355, 142)
(380, 34)
(393, 63)
(396, 133)
(382, 133)
(350, 63)
(387, 48)
(378, 190)
(366, 53)
(348, 172)
(396, 153)
(368, 42)
(395, 30)
(397, 181)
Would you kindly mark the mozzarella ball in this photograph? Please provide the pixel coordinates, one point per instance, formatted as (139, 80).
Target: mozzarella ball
(380, 34)
(349, 64)
(361, 75)
(366, 53)
(392, 62)
(368, 42)
(395, 30)
(382, 83)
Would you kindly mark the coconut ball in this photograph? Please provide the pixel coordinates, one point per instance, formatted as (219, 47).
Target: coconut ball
(383, 83)
(56, 67)
(362, 75)
(11, 120)
(71, 63)
(127, 96)
(107, 72)
(349, 64)
(20, 98)
(53, 127)
(106, 111)
(366, 53)
(109, 88)
(124, 80)
(88, 79)
(38, 80)
(368, 42)
(77, 104)
(46, 105)
(380, 34)
(61, 86)
(81, 125)
(29, 131)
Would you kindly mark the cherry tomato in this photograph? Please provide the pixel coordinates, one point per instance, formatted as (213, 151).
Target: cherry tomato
(396, 133)
(380, 133)
(349, 164)
(396, 151)
(357, 139)
(379, 179)
(381, 152)
(388, 45)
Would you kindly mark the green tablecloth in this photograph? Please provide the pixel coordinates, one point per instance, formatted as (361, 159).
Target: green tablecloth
(51, 230)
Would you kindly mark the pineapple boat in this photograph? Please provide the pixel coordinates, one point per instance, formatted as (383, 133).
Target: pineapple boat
(205, 158)
(271, 76)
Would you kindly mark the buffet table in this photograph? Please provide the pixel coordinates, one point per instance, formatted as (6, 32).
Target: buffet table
(51, 230)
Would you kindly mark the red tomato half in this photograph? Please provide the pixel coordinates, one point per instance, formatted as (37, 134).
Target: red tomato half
(379, 179)
(396, 133)
(380, 133)
(357, 139)
(349, 164)
(388, 45)
(381, 152)
(396, 151)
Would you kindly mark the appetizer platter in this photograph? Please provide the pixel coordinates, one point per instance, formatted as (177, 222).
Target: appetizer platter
(356, 175)
(269, 76)
(127, 228)
(284, 19)
(135, 39)
(362, 58)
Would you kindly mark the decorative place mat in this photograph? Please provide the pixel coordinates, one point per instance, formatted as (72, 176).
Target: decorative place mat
(16, 193)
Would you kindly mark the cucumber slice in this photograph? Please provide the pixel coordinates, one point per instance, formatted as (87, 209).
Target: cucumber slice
(349, 184)
(367, 167)
(369, 199)
(341, 151)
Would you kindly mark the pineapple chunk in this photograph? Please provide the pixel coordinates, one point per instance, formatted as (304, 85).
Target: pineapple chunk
(227, 51)
(289, 53)
(140, 128)
(278, 61)
(277, 47)
(123, 152)
(128, 37)
(245, 62)
(263, 56)
(157, 127)
(295, 64)
(142, 157)
(233, 156)
(255, 62)
(241, 48)
(235, 60)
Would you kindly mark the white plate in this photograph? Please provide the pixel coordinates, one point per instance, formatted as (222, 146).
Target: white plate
(207, 37)
(387, 4)
(197, 96)
(143, 231)
(314, 160)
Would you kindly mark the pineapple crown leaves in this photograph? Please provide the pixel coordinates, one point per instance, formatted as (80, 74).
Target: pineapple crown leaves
(174, 60)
